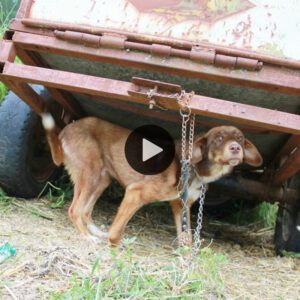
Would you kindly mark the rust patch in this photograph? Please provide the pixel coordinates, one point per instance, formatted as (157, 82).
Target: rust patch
(182, 10)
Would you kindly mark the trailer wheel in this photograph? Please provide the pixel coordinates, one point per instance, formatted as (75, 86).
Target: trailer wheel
(287, 230)
(25, 160)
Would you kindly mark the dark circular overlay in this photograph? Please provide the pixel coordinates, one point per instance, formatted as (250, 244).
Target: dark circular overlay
(134, 149)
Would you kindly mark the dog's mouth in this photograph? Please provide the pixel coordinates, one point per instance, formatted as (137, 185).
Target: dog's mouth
(233, 162)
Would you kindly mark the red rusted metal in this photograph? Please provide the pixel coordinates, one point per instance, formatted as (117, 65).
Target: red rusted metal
(290, 146)
(24, 9)
(112, 41)
(288, 169)
(165, 116)
(200, 55)
(282, 159)
(206, 106)
(66, 100)
(231, 51)
(161, 50)
(252, 190)
(7, 52)
(157, 89)
(269, 78)
(210, 56)
(27, 94)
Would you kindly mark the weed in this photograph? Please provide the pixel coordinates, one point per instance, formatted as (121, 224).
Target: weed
(264, 215)
(124, 277)
(267, 213)
(290, 254)
(7, 203)
(3, 91)
(59, 192)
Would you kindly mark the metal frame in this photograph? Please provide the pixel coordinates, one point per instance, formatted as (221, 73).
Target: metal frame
(109, 88)
(270, 74)
(270, 77)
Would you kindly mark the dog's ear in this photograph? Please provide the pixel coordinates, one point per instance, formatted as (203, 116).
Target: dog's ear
(198, 149)
(251, 155)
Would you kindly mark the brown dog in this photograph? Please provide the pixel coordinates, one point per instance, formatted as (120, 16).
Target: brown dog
(92, 151)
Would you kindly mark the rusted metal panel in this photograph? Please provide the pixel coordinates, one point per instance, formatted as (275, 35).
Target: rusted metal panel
(27, 94)
(247, 189)
(270, 78)
(7, 52)
(201, 55)
(206, 106)
(24, 9)
(46, 28)
(290, 146)
(258, 25)
(166, 116)
(66, 100)
(288, 169)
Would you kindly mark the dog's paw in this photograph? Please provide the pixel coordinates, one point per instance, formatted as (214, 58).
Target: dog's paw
(185, 239)
(96, 232)
(93, 239)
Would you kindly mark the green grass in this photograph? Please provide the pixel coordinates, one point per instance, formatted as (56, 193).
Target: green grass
(3, 91)
(59, 192)
(267, 213)
(124, 276)
(8, 203)
(4, 22)
(263, 214)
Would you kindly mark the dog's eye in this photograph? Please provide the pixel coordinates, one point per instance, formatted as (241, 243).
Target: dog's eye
(219, 138)
(239, 138)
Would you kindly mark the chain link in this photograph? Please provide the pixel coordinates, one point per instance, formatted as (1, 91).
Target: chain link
(197, 234)
(186, 155)
(188, 124)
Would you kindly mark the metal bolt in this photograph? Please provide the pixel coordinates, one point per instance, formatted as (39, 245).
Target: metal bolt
(151, 103)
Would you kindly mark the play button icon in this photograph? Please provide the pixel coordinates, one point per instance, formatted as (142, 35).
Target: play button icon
(149, 149)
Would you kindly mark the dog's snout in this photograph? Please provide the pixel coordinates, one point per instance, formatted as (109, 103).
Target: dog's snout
(235, 148)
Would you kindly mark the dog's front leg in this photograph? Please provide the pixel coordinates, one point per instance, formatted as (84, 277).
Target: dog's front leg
(184, 238)
(131, 202)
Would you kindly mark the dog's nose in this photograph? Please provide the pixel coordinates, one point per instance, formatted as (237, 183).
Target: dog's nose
(235, 148)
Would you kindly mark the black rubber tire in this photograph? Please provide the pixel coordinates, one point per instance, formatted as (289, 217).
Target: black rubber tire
(287, 230)
(25, 159)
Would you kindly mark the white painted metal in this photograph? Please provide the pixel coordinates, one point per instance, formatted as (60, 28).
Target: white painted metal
(268, 26)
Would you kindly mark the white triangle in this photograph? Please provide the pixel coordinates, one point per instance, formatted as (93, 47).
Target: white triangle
(150, 150)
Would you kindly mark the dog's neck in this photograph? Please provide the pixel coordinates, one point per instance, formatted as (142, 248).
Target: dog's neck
(202, 176)
(207, 172)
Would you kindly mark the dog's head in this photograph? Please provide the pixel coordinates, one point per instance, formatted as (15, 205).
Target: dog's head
(225, 145)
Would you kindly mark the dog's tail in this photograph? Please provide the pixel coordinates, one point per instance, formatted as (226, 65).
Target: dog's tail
(52, 136)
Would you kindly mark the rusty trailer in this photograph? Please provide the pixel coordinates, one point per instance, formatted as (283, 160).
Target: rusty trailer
(241, 58)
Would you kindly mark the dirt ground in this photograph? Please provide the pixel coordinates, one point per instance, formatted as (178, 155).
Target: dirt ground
(50, 251)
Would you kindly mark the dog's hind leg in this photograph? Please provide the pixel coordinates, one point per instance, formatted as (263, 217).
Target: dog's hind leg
(104, 182)
(87, 189)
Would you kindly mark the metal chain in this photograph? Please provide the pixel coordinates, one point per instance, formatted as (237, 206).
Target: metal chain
(188, 120)
(197, 234)
(186, 156)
